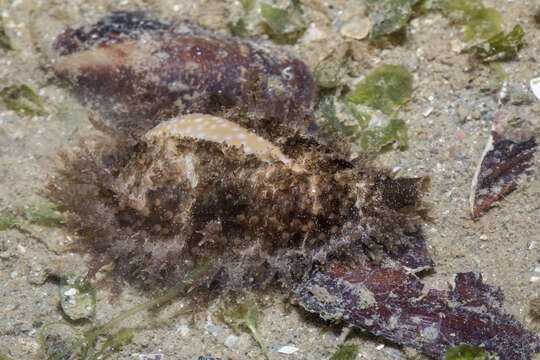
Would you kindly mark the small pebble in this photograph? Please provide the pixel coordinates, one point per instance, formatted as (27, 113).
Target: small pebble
(357, 28)
(232, 341)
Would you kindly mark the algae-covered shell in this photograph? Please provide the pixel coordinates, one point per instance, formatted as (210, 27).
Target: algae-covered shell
(136, 71)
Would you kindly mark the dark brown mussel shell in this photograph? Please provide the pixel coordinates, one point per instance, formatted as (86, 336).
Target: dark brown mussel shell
(135, 71)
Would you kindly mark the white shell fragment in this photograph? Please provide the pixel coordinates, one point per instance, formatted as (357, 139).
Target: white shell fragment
(428, 111)
(288, 349)
(535, 277)
(535, 87)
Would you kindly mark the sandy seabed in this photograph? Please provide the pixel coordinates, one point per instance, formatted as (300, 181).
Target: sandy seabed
(448, 117)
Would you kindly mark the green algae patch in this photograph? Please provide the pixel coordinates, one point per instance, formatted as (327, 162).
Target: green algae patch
(247, 5)
(482, 24)
(500, 47)
(465, 352)
(385, 88)
(23, 100)
(349, 352)
(358, 127)
(389, 16)
(44, 214)
(378, 137)
(240, 28)
(246, 315)
(8, 221)
(284, 25)
(327, 109)
(479, 22)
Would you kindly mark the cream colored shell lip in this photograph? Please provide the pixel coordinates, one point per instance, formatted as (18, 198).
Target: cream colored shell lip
(217, 129)
(107, 56)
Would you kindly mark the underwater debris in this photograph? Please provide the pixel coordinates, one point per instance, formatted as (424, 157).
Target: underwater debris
(22, 99)
(357, 28)
(60, 340)
(508, 153)
(77, 297)
(480, 22)
(135, 72)
(387, 300)
(482, 26)
(327, 109)
(499, 47)
(370, 135)
(247, 315)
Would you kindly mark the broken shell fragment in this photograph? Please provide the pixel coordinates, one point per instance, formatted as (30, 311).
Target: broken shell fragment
(507, 155)
(387, 300)
(135, 71)
(535, 87)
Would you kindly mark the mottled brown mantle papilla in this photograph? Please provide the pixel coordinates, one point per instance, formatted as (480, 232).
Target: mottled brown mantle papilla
(161, 207)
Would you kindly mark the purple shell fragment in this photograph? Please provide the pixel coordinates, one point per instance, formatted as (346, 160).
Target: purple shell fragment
(510, 152)
(386, 300)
